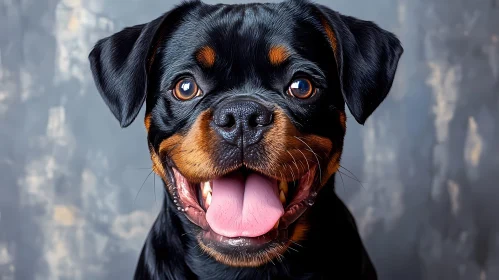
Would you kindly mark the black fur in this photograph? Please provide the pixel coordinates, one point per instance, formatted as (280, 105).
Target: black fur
(367, 60)
(144, 62)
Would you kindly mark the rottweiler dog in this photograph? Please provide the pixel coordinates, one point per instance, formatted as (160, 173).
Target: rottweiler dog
(245, 120)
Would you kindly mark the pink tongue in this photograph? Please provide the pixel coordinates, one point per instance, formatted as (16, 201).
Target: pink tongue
(244, 208)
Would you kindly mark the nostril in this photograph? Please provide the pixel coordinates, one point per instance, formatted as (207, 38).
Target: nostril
(231, 121)
(225, 120)
(243, 116)
(260, 119)
(253, 120)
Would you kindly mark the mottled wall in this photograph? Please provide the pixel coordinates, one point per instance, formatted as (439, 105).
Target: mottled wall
(71, 201)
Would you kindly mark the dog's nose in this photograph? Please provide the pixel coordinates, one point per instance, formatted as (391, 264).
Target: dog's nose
(242, 122)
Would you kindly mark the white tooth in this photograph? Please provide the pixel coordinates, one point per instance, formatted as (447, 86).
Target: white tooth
(276, 225)
(282, 197)
(205, 189)
(208, 200)
(283, 186)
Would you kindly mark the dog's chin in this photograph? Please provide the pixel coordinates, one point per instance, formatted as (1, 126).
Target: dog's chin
(245, 218)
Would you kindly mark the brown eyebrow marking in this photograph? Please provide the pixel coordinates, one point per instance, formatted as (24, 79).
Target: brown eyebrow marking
(206, 56)
(278, 54)
(330, 34)
(147, 121)
(343, 120)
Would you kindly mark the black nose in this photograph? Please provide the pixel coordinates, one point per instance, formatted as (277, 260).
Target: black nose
(242, 122)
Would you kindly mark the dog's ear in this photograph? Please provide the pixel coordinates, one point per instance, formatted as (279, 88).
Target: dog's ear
(366, 57)
(119, 63)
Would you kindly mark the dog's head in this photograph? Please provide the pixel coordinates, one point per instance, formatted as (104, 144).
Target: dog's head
(245, 111)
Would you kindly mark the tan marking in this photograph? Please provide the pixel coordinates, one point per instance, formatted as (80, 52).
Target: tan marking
(290, 153)
(278, 54)
(206, 56)
(192, 152)
(343, 120)
(331, 35)
(147, 122)
(300, 230)
(332, 166)
(288, 156)
(157, 165)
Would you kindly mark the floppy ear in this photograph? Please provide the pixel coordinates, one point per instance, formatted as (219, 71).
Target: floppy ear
(119, 64)
(366, 57)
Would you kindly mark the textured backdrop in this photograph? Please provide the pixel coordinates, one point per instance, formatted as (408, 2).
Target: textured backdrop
(427, 204)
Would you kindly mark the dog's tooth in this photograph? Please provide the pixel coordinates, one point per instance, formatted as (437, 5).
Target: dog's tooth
(206, 193)
(283, 186)
(208, 200)
(276, 225)
(205, 188)
(282, 197)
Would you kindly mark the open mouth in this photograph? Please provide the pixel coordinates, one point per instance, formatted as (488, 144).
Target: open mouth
(244, 208)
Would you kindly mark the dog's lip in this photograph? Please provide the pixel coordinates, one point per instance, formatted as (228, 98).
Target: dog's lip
(186, 201)
(226, 245)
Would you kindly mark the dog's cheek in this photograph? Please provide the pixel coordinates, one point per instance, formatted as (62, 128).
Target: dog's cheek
(290, 153)
(332, 167)
(192, 152)
(157, 166)
(338, 128)
(293, 153)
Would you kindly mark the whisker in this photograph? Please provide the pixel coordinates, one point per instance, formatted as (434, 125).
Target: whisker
(350, 172)
(280, 257)
(294, 242)
(290, 169)
(138, 168)
(316, 157)
(154, 188)
(294, 161)
(342, 182)
(360, 183)
(306, 160)
(346, 175)
(293, 249)
(187, 232)
(142, 186)
(201, 251)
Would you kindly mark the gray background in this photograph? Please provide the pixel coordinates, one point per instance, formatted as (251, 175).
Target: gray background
(427, 205)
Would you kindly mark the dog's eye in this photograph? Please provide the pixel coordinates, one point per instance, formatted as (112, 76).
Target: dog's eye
(301, 88)
(186, 89)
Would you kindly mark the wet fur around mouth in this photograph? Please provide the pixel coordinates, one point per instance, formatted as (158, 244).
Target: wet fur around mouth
(241, 62)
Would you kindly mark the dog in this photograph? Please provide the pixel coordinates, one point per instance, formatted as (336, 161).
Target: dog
(245, 120)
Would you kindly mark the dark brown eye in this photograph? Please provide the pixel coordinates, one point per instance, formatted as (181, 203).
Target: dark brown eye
(186, 89)
(301, 88)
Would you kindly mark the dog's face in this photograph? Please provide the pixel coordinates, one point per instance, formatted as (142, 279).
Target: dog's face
(245, 112)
